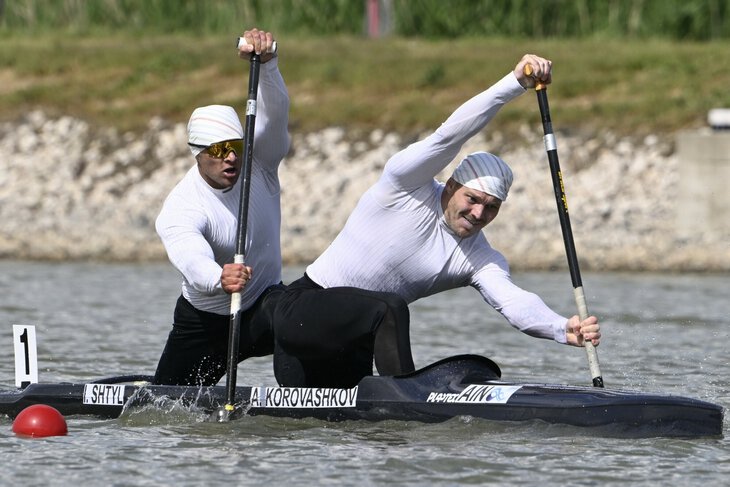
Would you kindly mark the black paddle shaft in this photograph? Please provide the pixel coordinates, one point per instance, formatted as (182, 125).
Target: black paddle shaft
(559, 188)
(253, 86)
(562, 203)
(235, 326)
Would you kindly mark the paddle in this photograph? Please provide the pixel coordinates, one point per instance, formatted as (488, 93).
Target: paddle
(562, 202)
(226, 412)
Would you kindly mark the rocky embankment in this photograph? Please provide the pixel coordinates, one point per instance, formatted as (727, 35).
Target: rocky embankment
(72, 191)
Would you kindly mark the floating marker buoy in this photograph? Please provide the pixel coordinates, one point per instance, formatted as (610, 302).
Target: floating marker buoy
(40, 420)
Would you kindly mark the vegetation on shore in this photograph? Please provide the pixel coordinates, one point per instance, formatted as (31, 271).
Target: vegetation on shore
(537, 19)
(620, 65)
(405, 85)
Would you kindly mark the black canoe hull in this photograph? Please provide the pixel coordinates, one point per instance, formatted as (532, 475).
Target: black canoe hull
(465, 385)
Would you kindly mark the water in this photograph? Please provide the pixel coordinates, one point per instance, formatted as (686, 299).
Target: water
(662, 333)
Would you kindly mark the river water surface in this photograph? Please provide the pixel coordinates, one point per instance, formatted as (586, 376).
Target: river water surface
(661, 333)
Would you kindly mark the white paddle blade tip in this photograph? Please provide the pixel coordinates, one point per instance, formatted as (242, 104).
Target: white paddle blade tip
(242, 42)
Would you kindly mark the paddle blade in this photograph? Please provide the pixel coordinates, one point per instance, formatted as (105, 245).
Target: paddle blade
(225, 414)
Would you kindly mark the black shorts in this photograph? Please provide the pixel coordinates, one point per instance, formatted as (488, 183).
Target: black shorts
(196, 352)
(329, 337)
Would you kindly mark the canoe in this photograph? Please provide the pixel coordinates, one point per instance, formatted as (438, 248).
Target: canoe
(459, 386)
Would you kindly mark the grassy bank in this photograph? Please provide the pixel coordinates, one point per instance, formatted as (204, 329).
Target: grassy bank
(630, 87)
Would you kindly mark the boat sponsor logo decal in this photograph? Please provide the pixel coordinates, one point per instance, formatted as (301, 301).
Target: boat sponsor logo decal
(302, 397)
(476, 394)
(104, 394)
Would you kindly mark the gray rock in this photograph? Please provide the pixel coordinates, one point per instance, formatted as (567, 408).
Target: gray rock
(72, 191)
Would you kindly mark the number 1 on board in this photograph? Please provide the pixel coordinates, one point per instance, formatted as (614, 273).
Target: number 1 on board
(26, 355)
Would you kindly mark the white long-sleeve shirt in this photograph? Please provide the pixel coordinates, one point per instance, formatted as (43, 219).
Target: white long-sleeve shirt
(198, 224)
(397, 240)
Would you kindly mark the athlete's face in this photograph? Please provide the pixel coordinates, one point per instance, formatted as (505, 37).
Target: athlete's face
(467, 210)
(219, 172)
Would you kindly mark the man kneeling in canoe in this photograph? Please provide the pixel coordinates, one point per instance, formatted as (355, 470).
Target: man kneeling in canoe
(414, 236)
(198, 224)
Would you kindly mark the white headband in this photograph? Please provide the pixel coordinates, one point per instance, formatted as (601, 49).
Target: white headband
(214, 123)
(484, 172)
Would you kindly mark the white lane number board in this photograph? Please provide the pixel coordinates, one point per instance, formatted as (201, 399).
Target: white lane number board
(26, 355)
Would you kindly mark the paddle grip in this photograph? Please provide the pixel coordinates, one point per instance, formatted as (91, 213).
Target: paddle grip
(528, 72)
(240, 42)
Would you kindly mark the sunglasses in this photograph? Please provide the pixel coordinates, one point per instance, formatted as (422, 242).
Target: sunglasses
(220, 150)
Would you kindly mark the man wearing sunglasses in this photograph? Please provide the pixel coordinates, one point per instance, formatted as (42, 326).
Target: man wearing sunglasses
(198, 224)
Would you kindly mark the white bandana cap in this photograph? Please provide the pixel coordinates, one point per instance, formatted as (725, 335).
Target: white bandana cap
(211, 124)
(484, 172)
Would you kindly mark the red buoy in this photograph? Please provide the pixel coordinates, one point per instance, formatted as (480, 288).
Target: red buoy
(40, 420)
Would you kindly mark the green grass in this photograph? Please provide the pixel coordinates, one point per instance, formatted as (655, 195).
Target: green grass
(407, 85)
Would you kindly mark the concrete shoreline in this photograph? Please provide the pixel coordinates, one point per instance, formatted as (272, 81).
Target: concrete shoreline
(70, 191)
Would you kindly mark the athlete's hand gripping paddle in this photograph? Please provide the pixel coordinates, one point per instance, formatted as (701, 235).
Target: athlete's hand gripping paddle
(562, 202)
